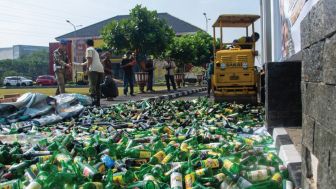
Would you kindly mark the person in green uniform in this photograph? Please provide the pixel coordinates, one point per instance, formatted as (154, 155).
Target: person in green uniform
(61, 62)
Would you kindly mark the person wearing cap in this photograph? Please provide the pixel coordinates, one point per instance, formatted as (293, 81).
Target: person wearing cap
(127, 64)
(61, 62)
(210, 72)
(244, 42)
(150, 70)
(96, 72)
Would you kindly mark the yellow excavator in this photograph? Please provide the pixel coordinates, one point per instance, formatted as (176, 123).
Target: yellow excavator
(235, 77)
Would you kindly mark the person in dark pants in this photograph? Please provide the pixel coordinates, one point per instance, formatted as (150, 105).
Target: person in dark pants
(127, 64)
(210, 72)
(96, 72)
(150, 70)
(169, 76)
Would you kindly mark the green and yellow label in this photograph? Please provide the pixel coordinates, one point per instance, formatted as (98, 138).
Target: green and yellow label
(145, 154)
(189, 180)
(160, 155)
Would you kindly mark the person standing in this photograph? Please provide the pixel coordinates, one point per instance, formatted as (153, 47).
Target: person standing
(210, 72)
(109, 87)
(61, 62)
(169, 76)
(150, 70)
(106, 61)
(96, 72)
(127, 64)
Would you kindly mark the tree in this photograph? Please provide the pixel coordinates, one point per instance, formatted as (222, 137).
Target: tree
(143, 32)
(203, 44)
(31, 65)
(195, 49)
(181, 51)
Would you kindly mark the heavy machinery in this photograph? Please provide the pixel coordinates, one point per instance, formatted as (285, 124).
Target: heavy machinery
(235, 77)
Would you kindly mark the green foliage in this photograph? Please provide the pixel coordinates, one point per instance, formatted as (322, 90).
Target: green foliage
(143, 31)
(196, 49)
(181, 50)
(198, 70)
(30, 66)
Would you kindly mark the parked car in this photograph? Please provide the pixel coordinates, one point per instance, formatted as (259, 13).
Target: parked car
(46, 80)
(17, 81)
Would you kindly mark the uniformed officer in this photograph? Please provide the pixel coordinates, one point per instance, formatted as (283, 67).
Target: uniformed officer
(61, 62)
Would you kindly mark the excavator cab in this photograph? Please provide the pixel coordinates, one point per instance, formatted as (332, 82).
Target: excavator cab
(235, 77)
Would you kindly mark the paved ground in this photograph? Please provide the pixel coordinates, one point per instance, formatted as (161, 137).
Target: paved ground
(193, 96)
(122, 98)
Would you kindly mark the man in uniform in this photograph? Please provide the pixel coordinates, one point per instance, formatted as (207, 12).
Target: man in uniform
(61, 62)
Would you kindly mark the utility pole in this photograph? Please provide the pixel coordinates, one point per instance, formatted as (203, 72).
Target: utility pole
(206, 21)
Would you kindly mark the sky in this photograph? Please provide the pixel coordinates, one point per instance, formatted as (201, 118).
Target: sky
(38, 22)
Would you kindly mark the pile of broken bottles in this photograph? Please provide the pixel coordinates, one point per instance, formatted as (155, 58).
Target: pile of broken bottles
(146, 145)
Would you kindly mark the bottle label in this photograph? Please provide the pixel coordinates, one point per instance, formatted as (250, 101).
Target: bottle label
(227, 164)
(277, 177)
(258, 175)
(166, 159)
(86, 172)
(176, 180)
(44, 158)
(189, 180)
(184, 147)
(139, 162)
(7, 186)
(213, 153)
(200, 172)
(145, 154)
(101, 168)
(62, 157)
(181, 138)
(160, 155)
(118, 179)
(212, 145)
(167, 130)
(149, 177)
(249, 141)
(211, 163)
(220, 177)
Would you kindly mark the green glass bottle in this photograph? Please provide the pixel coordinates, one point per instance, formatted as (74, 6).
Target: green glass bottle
(123, 178)
(148, 184)
(134, 153)
(87, 170)
(157, 157)
(230, 166)
(258, 175)
(13, 184)
(190, 176)
(92, 185)
(215, 180)
(170, 157)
